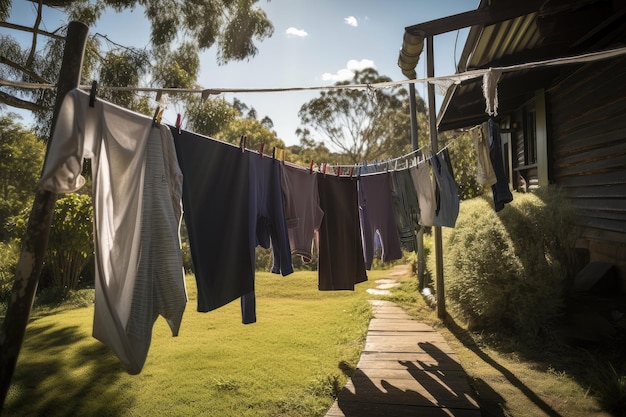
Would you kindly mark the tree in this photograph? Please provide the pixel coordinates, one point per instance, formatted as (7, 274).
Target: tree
(351, 119)
(21, 158)
(256, 134)
(180, 29)
(209, 117)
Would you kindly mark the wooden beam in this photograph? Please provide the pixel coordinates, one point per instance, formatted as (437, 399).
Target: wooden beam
(485, 16)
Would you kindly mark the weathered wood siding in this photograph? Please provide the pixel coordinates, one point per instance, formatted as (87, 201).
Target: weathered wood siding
(587, 122)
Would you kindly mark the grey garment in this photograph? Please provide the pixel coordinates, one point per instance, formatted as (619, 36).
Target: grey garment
(302, 209)
(377, 218)
(485, 175)
(423, 184)
(406, 208)
(158, 287)
(447, 194)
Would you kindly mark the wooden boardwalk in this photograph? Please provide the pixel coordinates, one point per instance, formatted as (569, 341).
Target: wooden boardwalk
(406, 369)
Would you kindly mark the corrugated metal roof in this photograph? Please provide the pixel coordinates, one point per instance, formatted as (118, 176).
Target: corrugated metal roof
(536, 36)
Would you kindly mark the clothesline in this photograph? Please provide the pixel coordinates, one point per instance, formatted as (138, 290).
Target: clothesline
(454, 79)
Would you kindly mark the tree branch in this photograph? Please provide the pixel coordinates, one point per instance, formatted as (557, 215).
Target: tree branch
(12, 101)
(33, 75)
(33, 46)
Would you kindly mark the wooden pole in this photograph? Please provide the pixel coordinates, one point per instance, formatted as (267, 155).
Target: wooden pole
(35, 241)
(434, 145)
(421, 262)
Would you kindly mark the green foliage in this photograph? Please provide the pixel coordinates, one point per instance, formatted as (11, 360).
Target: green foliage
(120, 68)
(255, 132)
(608, 386)
(21, 158)
(210, 116)
(178, 68)
(71, 240)
(507, 269)
(9, 255)
(463, 158)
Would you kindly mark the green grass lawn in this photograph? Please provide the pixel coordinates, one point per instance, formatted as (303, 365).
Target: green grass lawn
(289, 363)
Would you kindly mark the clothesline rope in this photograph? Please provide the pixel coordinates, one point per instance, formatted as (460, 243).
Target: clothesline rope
(455, 79)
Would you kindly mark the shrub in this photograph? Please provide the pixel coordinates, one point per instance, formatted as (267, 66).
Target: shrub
(71, 240)
(508, 269)
(9, 255)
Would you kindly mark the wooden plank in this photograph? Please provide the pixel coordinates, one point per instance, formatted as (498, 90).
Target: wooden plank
(397, 410)
(398, 325)
(426, 392)
(406, 369)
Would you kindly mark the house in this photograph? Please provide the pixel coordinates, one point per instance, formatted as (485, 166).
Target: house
(562, 124)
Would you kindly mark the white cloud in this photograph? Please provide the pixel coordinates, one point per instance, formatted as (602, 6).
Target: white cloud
(351, 20)
(296, 32)
(347, 73)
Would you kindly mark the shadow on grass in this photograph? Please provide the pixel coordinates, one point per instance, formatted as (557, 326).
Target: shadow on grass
(55, 378)
(464, 337)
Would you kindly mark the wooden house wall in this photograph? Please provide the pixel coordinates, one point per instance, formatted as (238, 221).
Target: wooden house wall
(587, 119)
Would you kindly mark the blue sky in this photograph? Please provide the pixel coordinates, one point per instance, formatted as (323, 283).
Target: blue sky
(315, 43)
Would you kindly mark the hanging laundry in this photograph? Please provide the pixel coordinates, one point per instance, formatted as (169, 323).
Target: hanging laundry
(485, 175)
(420, 174)
(340, 263)
(268, 226)
(377, 217)
(406, 208)
(501, 192)
(137, 188)
(447, 194)
(302, 209)
(216, 205)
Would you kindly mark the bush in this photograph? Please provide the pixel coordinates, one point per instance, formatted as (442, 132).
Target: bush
(508, 270)
(71, 240)
(9, 255)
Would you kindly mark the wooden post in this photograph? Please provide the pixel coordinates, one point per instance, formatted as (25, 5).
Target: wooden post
(35, 241)
(434, 145)
(421, 262)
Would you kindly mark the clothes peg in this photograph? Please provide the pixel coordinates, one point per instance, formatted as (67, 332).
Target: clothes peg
(311, 167)
(261, 146)
(158, 114)
(324, 169)
(338, 171)
(274, 153)
(179, 123)
(92, 93)
(242, 143)
(351, 172)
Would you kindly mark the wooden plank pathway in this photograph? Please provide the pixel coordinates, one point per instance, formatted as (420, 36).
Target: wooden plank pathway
(406, 369)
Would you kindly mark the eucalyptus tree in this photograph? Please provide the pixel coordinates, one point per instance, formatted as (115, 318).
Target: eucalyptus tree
(179, 31)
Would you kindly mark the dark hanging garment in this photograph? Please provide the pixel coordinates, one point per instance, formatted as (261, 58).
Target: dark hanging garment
(500, 190)
(268, 226)
(378, 218)
(447, 193)
(216, 212)
(406, 208)
(340, 263)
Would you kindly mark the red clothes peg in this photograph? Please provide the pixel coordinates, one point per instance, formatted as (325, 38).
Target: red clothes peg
(179, 123)
(311, 166)
(261, 146)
